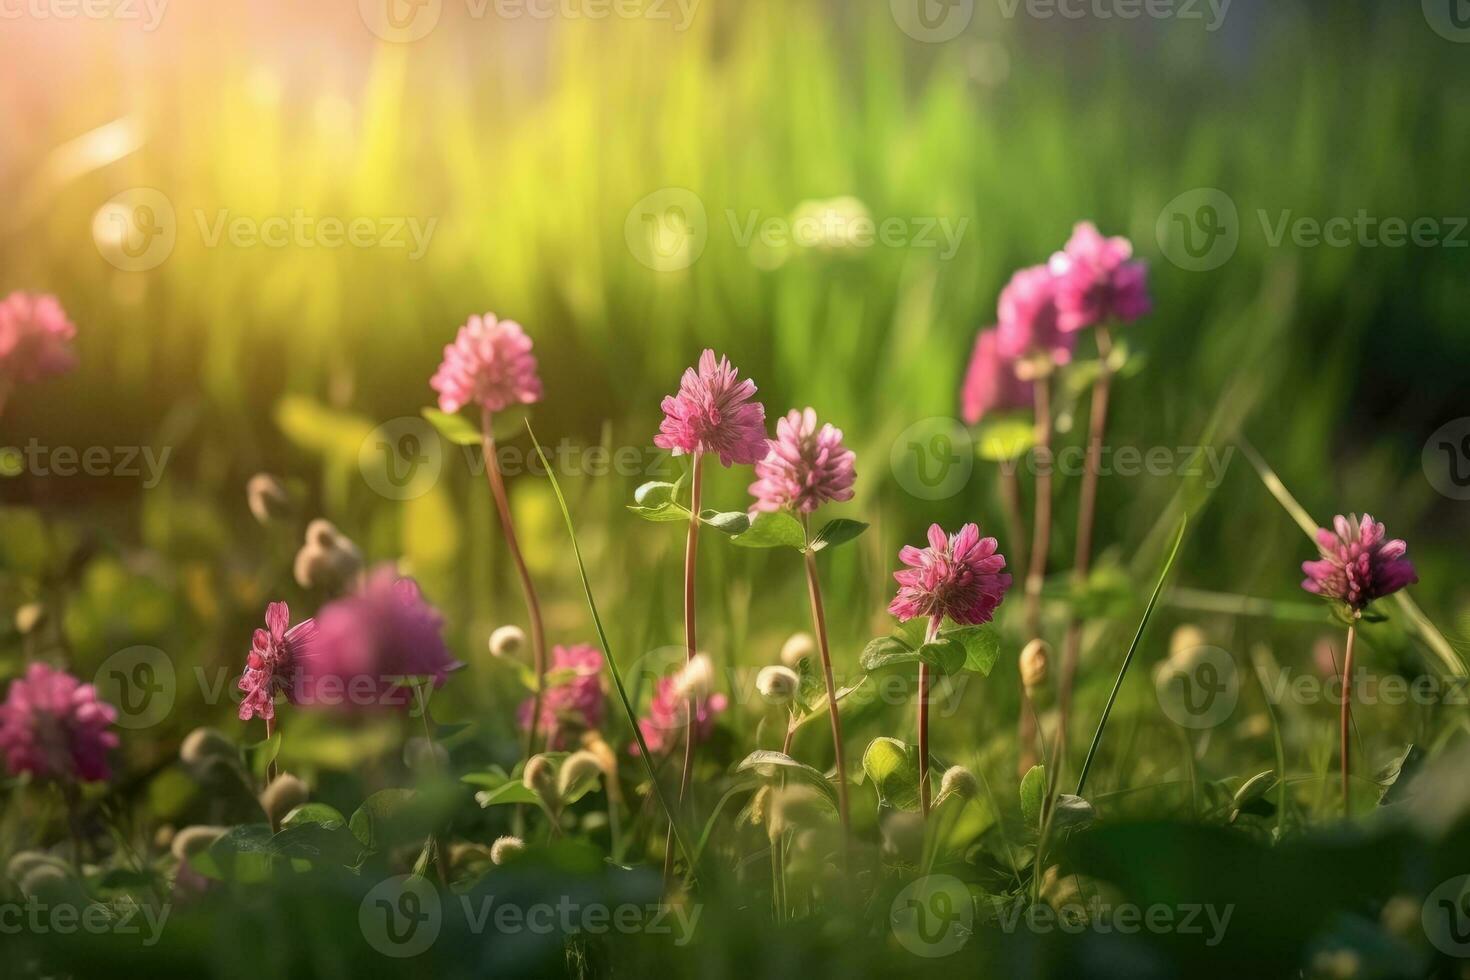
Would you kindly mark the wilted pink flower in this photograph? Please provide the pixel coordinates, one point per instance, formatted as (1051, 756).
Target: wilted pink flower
(669, 711)
(53, 726)
(804, 467)
(275, 655)
(959, 577)
(713, 413)
(1358, 565)
(35, 338)
(1096, 281)
(368, 642)
(490, 364)
(991, 384)
(1029, 317)
(573, 705)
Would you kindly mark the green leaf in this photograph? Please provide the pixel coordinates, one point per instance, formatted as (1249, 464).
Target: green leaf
(1002, 438)
(245, 854)
(730, 522)
(945, 654)
(887, 652)
(981, 645)
(454, 428)
(1251, 797)
(318, 843)
(491, 778)
(314, 813)
(837, 532)
(655, 494)
(769, 764)
(1072, 812)
(389, 817)
(262, 754)
(1033, 796)
(508, 792)
(893, 767)
(773, 529)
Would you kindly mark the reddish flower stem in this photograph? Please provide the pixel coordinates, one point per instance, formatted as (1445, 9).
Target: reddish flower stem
(1086, 521)
(819, 619)
(533, 605)
(1347, 715)
(929, 636)
(691, 553)
(270, 770)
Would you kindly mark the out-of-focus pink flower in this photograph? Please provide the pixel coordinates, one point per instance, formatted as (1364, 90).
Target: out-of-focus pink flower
(1096, 281)
(1029, 317)
(713, 413)
(490, 364)
(575, 704)
(275, 655)
(53, 726)
(1358, 563)
(991, 384)
(957, 576)
(35, 338)
(804, 467)
(668, 712)
(369, 641)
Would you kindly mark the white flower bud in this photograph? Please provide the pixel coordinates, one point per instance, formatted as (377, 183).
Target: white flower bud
(1186, 638)
(958, 781)
(798, 647)
(696, 679)
(1035, 664)
(203, 745)
(507, 641)
(539, 777)
(29, 617)
(282, 796)
(328, 560)
(777, 684)
(268, 499)
(193, 840)
(505, 848)
(577, 771)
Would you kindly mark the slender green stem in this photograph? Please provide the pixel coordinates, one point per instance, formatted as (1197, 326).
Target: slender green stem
(612, 665)
(1347, 717)
(1128, 658)
(819, 621)
(924, 789)
(691, 720)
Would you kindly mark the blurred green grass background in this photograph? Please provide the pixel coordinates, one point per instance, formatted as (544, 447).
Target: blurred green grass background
(529, 147)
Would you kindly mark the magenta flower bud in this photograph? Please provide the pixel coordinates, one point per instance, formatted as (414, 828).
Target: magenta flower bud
(35, 338)
(957, 576)
(573, 705)
(713, 412)
(804, 467)
(275, 657)
(1097, 282)
(1358, 564)
(490, 364)
(991, 384)
(53, 727)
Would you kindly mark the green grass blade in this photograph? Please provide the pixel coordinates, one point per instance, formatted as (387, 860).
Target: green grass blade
(1132, 649)
(607, 655)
